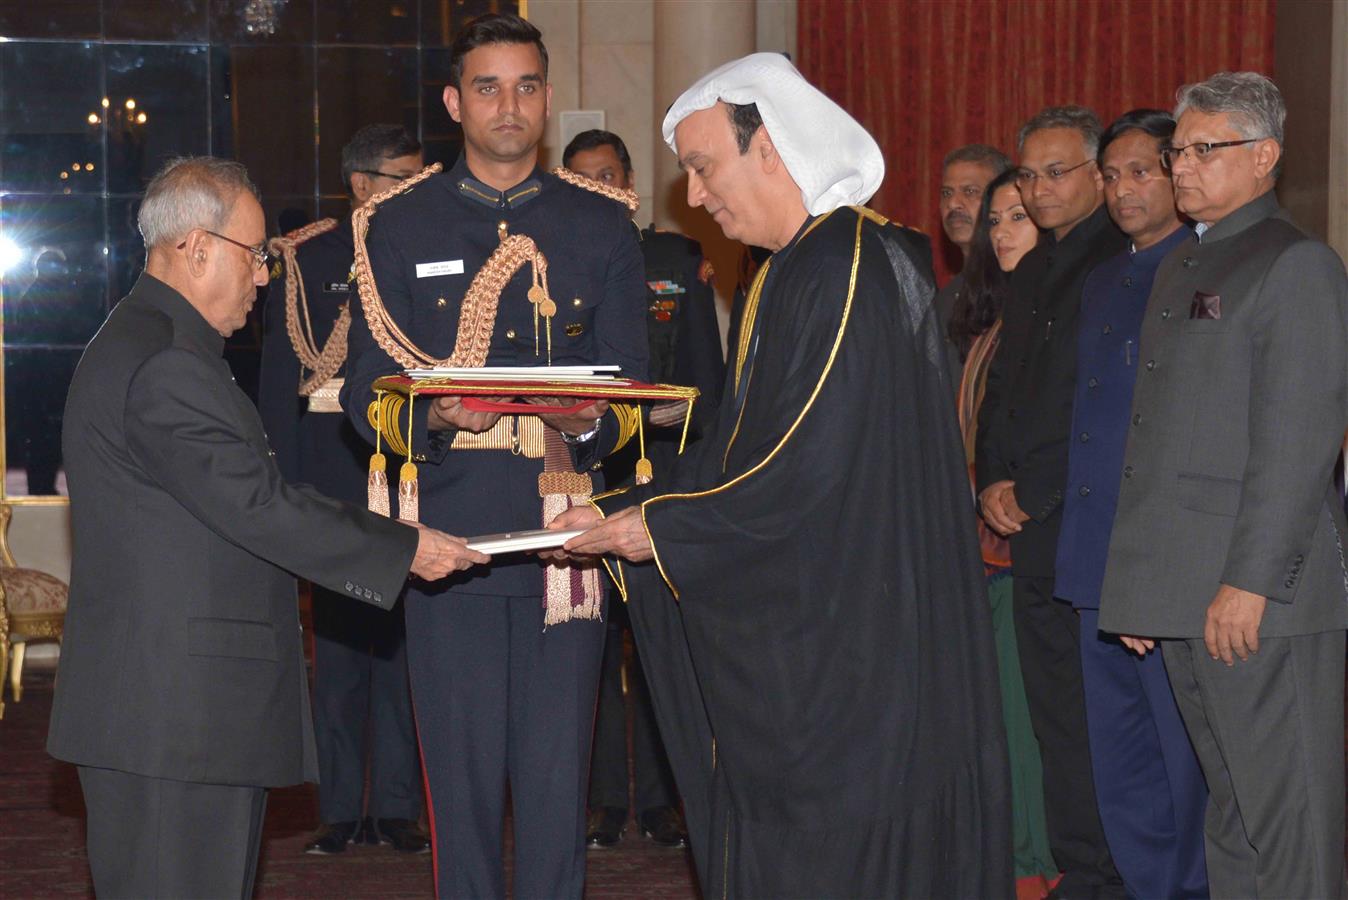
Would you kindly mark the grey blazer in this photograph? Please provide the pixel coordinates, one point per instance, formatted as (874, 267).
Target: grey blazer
(182, 655)
(1238, 415)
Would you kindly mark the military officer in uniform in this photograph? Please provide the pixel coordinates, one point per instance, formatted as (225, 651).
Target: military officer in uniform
(503, 693)
(685, 348)
(362, 708)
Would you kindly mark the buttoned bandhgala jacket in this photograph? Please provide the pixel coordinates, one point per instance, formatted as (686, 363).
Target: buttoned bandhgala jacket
(1238, 414)
(1026, 416)
(182, 654)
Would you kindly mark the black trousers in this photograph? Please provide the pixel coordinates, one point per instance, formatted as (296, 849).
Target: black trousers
(363, 711)
(151, 837)
(1048, 637)
(502, 700)
(653, 780)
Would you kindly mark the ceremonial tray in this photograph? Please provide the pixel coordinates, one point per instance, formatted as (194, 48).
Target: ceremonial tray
(473, 387)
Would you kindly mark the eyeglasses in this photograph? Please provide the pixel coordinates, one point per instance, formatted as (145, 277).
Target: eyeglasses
(261, 258)
(1200, 150)
(1026, 178)
(376, 172)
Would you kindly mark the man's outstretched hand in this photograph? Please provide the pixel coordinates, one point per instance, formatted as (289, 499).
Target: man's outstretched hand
(622, 534)
(440, 554)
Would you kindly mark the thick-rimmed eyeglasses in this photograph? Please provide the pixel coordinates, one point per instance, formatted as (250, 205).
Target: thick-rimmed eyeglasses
(1026, 177)
(261, 258)
(375, 172)
(1200, 150)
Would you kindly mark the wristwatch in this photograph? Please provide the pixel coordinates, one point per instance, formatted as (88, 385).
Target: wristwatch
(582, 438)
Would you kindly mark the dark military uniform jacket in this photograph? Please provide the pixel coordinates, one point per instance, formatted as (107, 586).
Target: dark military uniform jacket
(425, 247)
(318, 448)
(684, 338)
(1238, 414)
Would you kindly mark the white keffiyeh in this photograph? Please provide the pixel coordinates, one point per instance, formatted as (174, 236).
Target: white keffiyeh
(828, 154)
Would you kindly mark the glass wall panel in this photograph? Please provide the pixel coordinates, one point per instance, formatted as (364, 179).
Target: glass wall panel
(356, 87)
(50, 18)
(363, 22)
(55, 297)
(52, 117)
(441, 136)
(270, 97)
(158, 108)
(183, 21)
(96, 94)
(262, 21)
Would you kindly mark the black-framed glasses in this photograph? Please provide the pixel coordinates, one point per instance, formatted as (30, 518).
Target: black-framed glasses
(261, 257)
(1026, 178)
(375, 172)
(1200, 150)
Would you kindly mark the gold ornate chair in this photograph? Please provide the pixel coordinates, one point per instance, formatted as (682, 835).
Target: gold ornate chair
(32, 608)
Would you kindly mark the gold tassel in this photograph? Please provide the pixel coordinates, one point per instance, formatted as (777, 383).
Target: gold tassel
(644, 470)
(408, 501)
(378, 485)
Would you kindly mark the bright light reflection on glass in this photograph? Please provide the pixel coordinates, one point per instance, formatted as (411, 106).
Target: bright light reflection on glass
(11, 254)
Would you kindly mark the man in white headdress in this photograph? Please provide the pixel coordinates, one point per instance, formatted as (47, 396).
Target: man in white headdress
(805, 583)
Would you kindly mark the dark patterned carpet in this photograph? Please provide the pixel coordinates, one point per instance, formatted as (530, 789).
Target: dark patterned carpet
(42, 838)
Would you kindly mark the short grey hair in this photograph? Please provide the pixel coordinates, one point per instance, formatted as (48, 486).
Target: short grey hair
(1253, 102)
(980, 154)
(191, 192)
(1077, 117)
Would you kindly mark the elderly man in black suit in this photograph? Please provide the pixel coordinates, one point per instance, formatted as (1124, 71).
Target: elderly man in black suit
(1228, 541)
(182, 693)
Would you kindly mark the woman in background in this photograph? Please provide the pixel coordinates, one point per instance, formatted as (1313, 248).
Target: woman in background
(1003, 233)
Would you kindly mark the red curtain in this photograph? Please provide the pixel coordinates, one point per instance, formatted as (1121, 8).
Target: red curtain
(925, 76)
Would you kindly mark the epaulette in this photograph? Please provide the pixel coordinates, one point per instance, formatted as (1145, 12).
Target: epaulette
(625, 196)
(284, 247)
(402, 187)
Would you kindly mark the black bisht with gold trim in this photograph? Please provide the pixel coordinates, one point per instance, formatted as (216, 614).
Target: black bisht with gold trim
(816, 630)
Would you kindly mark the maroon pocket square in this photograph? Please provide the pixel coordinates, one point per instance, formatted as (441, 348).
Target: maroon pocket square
(1205, 306)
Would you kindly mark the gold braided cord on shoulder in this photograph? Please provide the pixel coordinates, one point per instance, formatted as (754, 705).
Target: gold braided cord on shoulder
(624, 196)
(322, 363)
(477, 317)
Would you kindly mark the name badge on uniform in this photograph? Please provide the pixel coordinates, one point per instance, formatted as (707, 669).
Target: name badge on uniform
(337, 287)
(444, 267)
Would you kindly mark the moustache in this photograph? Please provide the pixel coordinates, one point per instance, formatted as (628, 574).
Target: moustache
(958, 215)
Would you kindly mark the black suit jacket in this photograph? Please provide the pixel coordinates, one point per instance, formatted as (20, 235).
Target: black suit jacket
(1026, 416)
(182, 655)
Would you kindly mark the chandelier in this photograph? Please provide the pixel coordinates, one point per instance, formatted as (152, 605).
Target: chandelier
(259, 16)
